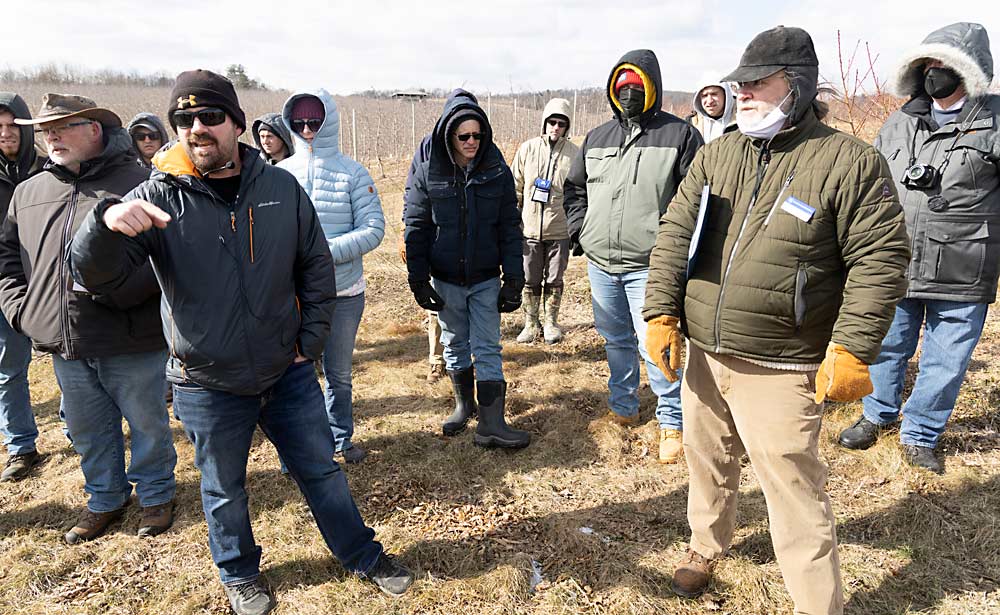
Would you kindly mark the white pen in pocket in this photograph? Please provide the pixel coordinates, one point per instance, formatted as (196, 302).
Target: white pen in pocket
(777, 201)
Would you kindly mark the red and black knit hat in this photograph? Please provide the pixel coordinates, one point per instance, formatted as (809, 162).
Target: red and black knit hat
(203, 88)
(628, 77)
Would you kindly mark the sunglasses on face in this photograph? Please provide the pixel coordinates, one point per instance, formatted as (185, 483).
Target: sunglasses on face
(478, 136)
(300, 125)
(557, 123)
(146, 136)
(210, 116)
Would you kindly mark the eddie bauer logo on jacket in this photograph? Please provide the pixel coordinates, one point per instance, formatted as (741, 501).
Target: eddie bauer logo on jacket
(268, 204)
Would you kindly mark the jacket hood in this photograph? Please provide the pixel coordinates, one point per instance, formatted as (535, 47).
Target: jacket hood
(26, 154)
(460, 103)
(274, 123)
(728, 110)
(644, 62)
(558, 106)
(963, 47)
(152, 119)
(327, 137)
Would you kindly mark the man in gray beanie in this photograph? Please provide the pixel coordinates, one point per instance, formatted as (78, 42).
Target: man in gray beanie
(784, 291)
(942, 148)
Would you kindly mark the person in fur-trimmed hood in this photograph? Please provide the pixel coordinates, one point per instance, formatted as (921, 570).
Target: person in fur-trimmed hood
(943, 148)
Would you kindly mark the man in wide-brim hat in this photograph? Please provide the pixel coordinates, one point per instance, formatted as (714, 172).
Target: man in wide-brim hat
(107, 349)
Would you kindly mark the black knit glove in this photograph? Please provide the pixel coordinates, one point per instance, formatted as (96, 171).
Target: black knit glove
(509, 299)
(426, 297)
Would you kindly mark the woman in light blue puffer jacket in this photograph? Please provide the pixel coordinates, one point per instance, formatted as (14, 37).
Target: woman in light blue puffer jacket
(350, 213)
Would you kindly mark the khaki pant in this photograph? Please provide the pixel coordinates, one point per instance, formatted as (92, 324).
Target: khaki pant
(434, 356)
(731, 406)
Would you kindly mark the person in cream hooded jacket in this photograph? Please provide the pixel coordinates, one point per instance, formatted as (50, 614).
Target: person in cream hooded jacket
(714, 122)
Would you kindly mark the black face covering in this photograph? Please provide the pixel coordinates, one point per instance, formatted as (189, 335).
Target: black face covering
(940, 82)
(632, 101)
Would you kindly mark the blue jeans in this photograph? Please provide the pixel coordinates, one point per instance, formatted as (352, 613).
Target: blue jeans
(617, 299)
(17, 422)
(951, 334)
(96, 394)
(337, 368)
(470, 326)
(291, 414)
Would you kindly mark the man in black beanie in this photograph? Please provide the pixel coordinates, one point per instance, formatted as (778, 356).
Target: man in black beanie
(248, 291)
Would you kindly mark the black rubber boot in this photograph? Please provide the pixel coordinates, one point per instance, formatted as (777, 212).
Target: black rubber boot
(464, 383)
(492, 430)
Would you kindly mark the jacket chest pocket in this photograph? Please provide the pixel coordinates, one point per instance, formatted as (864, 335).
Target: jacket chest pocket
(600, 166)
(970, 173)
(444, 204)
(488, 204)
(955, 252)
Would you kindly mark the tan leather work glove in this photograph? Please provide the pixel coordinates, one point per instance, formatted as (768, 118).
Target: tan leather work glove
(842, 376)
(402, 248)
(665, 344)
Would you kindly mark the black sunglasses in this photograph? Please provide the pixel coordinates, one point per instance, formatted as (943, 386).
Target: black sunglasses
(478, 136)
(560, 123)
(210, 116)
(300, 125)
(146, 136)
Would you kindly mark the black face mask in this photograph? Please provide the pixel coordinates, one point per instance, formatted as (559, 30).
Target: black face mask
(940, 82)
(632, 102)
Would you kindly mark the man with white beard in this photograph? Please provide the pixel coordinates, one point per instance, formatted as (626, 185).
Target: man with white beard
(781, 258)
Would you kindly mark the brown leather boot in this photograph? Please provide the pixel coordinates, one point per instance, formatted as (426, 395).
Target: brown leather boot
(156, 519)
(91, 525)
(692, 574)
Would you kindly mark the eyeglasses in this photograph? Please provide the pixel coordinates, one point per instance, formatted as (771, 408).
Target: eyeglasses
(478, 136)
(558, 123)
(146, 136)
(300, 125)
(210, 116)
(59, 131)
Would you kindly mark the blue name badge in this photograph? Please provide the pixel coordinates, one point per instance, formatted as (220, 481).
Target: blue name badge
(800, 209)
(540, 194)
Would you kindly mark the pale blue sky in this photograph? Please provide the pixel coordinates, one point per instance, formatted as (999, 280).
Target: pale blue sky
(494, 46)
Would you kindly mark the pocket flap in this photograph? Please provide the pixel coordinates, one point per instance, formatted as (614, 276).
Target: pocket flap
(945, 232)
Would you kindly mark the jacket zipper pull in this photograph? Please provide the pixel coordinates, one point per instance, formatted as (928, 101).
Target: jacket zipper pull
(777, 201)
(232, 219)
(251, 234)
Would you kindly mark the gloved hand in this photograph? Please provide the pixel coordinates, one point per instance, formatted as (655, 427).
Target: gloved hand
(842, 376)
(426, 296)
(402, 249)
(575, 249)
(509, 299)
(665, 344)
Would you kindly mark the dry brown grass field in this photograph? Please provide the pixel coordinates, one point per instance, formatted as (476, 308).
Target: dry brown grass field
(584, 521)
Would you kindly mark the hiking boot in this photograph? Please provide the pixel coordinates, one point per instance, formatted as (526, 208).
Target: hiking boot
(464, 383)
(922, 457)
(553, 333)
(492, 430)
(250, 598)
(860, 435)
(390, 576)
(91, 525)
(671, 445)
(624, 421)
(156, 519)
(532, 326)
(692, 574)
(435, 372)
(355, 454)
(19, 465)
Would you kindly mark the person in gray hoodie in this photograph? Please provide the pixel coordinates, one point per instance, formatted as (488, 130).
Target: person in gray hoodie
(148, 136)
(713, 110)
(943, 149)
(18, 161)
(273, 138)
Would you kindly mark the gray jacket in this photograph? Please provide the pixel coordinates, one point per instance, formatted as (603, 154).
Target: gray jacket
(954, 226)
